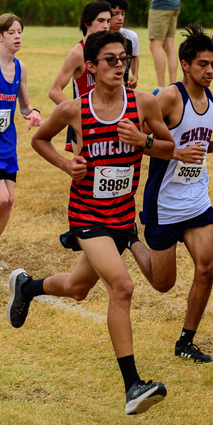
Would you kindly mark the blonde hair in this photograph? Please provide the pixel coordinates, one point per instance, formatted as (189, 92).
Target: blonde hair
(7, 19)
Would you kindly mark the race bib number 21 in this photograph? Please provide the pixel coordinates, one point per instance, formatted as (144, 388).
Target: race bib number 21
(4, 119)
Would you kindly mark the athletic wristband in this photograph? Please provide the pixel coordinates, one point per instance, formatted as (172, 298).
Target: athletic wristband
(141, 149)
(149, 142)
(148, 145)
(34, 109)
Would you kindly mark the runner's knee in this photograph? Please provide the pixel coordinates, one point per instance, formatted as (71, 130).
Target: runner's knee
(205, 271)
(80, 292)
(164, 284)
(6, 203)
(122, 291)
(80, 296)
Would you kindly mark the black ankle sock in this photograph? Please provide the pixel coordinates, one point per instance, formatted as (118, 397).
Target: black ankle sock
(32, 288)
(128, 370)
(186, 335)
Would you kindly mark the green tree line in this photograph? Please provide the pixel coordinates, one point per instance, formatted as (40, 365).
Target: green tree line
(67, 12)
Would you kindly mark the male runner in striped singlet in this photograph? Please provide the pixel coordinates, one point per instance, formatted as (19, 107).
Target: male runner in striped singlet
(176, 203)
(95, 17)
(13, 86)
(102, 208)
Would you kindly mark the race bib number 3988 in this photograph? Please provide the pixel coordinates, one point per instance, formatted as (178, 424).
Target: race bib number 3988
(111, 182)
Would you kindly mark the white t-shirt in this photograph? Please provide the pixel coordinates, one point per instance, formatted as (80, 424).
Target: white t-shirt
(131, 35)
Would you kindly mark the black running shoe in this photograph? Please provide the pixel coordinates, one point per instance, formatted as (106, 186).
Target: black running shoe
(17, 308)
(142, 396)
(133, 236)
(189, 350)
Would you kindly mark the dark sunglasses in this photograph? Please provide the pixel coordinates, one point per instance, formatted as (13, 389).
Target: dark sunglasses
(113, 60)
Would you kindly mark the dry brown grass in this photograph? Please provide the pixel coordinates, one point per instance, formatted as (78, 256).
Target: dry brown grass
(60, 367)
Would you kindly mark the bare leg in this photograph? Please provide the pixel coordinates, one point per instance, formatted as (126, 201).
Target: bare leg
(171, 53)
(6, 202)
(143, 258)
(105, 259)
(156, 47)
(159, 267)
(75, 285)
(100, 258)
(199, 242)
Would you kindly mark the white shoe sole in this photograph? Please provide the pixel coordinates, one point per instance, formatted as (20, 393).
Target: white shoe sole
(143, 402)
(12, 284)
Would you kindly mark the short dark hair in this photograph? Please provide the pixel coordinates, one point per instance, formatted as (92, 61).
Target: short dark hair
(92, 10)
(196, 41)
(7, 19)
(96, 41)
(123, 4)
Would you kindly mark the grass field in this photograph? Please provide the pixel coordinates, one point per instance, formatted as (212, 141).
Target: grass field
(60, 368)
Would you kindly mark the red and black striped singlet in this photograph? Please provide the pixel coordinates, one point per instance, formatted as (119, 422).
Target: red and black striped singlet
(83, 84)
(101, 147)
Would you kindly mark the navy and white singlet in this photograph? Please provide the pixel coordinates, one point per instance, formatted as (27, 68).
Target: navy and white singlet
(165, 200)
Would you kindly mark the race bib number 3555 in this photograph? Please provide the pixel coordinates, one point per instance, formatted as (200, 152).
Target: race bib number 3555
(4, 119)
(111, 182)
(188, 173)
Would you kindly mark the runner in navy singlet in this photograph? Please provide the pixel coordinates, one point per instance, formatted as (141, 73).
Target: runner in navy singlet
(105, 176)
(176, 203)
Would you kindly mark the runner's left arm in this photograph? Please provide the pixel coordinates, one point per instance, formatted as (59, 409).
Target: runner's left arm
(26, 109)
(171, 105)
(149, 111)
(210, 149)
(67, 112)
(134, 68)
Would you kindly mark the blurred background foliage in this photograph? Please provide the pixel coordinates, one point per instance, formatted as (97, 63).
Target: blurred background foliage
(67, 12)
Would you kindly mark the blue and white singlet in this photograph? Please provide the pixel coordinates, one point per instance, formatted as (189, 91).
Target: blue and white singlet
(8, 97)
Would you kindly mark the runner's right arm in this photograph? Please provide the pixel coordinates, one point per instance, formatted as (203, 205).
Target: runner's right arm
(66, 113)
(73, 61)
(171, 105)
